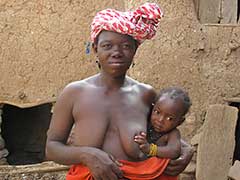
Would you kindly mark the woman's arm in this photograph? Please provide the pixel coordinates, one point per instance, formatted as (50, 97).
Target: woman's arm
(101, 164)
(175, 167)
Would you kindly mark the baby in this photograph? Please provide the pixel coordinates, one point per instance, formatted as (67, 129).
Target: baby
(163, 137)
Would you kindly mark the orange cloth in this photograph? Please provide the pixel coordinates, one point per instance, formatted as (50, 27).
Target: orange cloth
(150, 169)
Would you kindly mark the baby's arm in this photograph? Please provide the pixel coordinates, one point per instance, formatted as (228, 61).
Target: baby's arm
(171, 150)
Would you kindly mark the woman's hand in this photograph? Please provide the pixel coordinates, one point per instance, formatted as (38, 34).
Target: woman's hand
(103, 166)
(175, 167)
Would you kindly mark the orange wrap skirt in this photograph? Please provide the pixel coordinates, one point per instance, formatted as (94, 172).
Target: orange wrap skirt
(150, 169)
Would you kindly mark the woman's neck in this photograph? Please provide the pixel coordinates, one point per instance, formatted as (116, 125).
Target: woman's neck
(110, 82)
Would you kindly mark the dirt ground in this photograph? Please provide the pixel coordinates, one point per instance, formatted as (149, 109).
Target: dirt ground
(42, 171)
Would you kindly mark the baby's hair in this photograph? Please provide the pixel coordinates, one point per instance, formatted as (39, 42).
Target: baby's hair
(176, 93)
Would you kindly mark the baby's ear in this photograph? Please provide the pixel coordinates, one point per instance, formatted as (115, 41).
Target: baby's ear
(182, 120)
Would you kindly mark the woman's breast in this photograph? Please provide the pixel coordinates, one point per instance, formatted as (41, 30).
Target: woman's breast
(127, 133)
(120, 142)
(125, 122)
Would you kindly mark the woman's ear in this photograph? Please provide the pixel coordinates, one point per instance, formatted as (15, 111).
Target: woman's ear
(94, 47)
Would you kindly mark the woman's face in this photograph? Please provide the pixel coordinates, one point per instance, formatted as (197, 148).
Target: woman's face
(115, 52)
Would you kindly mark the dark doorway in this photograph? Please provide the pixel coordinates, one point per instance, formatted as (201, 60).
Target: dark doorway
(236, 155)
(24, 131)
(238, 12)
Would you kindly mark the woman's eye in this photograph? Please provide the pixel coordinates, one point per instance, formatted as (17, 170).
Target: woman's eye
(106, 46)
(126, 46)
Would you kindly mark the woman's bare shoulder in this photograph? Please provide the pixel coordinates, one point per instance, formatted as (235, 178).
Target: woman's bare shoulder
(141, 85)
(84, 83)
(77, 87)
(147, 92)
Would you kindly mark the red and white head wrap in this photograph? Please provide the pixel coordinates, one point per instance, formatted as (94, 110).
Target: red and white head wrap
(141, 24)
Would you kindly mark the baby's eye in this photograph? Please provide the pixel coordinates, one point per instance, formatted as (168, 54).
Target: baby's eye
(169, 118)
(156, 112)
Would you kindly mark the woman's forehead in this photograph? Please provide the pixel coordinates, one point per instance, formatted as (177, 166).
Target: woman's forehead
(114, 36)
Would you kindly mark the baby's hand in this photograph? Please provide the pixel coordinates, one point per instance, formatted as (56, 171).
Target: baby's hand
(141, 139)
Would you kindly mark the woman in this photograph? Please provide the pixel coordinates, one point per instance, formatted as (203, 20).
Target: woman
(109, 108)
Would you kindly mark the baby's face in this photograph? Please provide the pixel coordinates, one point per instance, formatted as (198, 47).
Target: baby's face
(167, 114)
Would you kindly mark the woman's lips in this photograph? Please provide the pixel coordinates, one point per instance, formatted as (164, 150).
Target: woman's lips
(117, 63)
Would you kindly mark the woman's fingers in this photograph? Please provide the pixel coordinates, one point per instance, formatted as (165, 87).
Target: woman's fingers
(115, 167)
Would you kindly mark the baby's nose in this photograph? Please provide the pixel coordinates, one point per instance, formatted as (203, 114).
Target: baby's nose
(160, 118)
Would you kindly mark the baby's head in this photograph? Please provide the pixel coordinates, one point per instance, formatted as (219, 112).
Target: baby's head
(170, 108)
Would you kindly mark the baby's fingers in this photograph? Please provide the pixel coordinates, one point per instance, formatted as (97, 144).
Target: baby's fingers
(143, 134)
(139, 140)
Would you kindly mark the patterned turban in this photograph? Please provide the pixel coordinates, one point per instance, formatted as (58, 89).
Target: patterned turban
(141, 24)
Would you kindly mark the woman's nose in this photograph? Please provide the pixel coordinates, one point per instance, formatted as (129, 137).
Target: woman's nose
(117, 53)
(117, 48)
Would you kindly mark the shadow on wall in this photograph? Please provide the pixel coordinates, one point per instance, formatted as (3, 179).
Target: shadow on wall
(24, 131)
